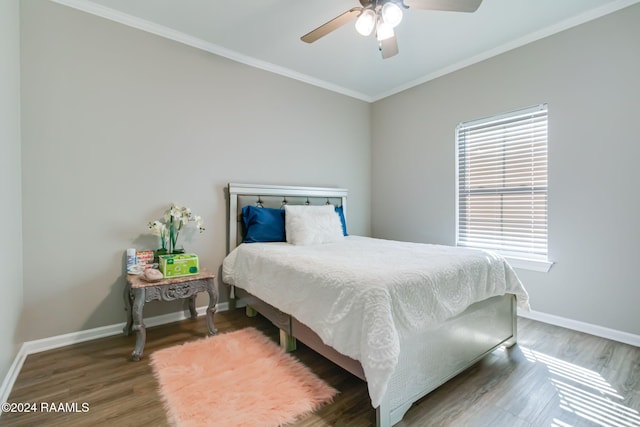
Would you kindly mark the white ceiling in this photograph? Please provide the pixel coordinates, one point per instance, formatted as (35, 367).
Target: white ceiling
(266, 34)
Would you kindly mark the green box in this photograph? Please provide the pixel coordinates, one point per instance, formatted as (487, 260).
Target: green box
(179, 265)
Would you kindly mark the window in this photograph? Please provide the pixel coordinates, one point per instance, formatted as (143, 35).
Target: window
(502, 185)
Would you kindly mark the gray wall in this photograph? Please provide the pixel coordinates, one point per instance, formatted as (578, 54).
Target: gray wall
(10, 213)
(118, 123)
(588, 75)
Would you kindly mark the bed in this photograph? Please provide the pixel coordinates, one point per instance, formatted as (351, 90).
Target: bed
(405, 317)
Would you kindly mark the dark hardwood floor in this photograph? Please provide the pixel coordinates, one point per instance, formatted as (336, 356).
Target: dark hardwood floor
(553, 377)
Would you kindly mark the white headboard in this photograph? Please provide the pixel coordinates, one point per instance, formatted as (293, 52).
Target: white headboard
(274, 196)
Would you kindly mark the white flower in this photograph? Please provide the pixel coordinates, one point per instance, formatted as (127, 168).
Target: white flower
(175, 218)
(186, 216)
(199, 223)
(158, 228)
(175, 211)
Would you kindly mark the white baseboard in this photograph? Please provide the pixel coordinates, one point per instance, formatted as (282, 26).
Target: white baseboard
(37, 346)
(12, 375)
(588, 328)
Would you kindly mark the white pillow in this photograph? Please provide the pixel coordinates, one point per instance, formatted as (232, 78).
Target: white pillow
(309, 225)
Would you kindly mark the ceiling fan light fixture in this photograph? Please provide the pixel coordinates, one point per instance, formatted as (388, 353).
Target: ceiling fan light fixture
(365, 22)
(391, 14)
(384, 16)
(384, 31)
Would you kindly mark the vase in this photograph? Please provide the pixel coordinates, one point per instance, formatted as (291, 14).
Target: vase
(164, 251)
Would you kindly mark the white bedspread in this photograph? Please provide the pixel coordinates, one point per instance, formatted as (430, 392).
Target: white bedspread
(362, 295)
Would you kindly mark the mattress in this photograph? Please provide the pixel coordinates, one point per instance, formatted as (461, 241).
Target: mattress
(364, 296)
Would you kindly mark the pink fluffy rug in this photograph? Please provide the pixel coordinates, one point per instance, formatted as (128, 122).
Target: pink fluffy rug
(241, 378)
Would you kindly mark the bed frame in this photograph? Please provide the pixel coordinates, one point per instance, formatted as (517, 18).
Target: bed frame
(427, 360)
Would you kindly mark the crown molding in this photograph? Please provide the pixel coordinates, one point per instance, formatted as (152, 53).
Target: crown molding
(529, 38)
(180, 37)
(162, 31)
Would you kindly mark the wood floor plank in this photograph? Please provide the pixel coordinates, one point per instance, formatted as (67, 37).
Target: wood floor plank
(553, 377)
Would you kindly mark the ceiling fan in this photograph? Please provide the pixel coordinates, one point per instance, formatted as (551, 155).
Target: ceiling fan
(384, 16)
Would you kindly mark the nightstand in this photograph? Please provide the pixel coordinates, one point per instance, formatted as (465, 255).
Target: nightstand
(138, 292)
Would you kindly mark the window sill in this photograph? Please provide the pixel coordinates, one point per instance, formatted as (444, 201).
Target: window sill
(529, 264)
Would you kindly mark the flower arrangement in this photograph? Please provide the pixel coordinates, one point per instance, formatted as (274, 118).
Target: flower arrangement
(175, 219)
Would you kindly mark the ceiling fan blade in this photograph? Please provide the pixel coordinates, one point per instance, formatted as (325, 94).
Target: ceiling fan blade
(334, 24)
(446, 5)
(389, 47)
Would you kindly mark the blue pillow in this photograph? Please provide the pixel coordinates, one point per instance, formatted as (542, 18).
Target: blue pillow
(340, 213)
(263, 224)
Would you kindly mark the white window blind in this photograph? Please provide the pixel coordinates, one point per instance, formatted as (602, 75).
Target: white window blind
(502, 183)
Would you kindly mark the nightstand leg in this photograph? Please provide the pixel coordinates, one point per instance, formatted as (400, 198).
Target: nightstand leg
(211, 309)
(192, 307)
(138, 323)
(127, 308)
